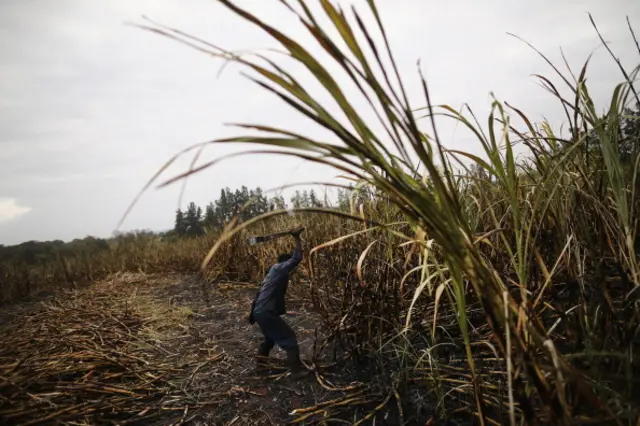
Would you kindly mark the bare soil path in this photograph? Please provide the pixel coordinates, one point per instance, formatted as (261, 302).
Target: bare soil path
(152, 350)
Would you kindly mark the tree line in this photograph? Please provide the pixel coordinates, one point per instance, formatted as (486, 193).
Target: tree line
(194, 220)
(36, 252)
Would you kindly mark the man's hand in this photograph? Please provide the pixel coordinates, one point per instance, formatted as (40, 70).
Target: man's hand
(297, 232)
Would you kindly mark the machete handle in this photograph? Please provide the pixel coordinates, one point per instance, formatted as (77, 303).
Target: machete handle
(297, 232)
(264, 238)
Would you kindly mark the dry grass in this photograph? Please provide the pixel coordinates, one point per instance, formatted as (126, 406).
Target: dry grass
(102, 355)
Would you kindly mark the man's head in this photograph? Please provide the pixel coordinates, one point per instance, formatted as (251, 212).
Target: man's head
(284, 257)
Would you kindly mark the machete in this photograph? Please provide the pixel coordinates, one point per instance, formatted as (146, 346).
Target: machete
(265, 238)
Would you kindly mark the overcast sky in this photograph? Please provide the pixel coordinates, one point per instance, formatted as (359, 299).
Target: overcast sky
(90, 108)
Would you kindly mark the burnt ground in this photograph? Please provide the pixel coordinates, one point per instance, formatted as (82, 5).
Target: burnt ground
(163, 349)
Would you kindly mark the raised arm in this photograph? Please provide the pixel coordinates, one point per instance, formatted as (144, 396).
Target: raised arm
(295, 259)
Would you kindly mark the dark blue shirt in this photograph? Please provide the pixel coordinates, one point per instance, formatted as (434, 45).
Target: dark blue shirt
(270, 298)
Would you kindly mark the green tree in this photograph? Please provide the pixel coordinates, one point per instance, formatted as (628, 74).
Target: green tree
(193, 219)
(630, 145)
(210, 217)
(313, 200)
(305, 199)
(259, 204)
(223, 206)
(180, 226)
(343, 199)
(296, 200)
(241, 196)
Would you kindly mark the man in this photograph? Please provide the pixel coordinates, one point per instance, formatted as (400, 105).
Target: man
(269, 304)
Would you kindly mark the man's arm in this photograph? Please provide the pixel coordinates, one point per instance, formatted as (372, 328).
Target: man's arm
(290, 264)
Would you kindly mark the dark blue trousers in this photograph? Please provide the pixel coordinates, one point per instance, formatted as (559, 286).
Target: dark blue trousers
(276, 331)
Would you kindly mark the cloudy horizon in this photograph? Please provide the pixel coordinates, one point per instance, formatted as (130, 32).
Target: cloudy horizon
(91, 107)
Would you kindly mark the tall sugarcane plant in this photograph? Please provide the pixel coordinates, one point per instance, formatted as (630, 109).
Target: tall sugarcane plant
(481, 236)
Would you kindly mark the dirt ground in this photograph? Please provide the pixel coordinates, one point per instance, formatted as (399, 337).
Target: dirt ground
(151, 349)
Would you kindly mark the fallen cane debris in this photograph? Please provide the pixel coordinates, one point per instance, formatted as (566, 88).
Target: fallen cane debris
(88, 357)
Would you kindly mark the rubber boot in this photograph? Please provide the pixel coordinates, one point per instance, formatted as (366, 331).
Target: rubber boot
(263, 354)
(298, 370)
